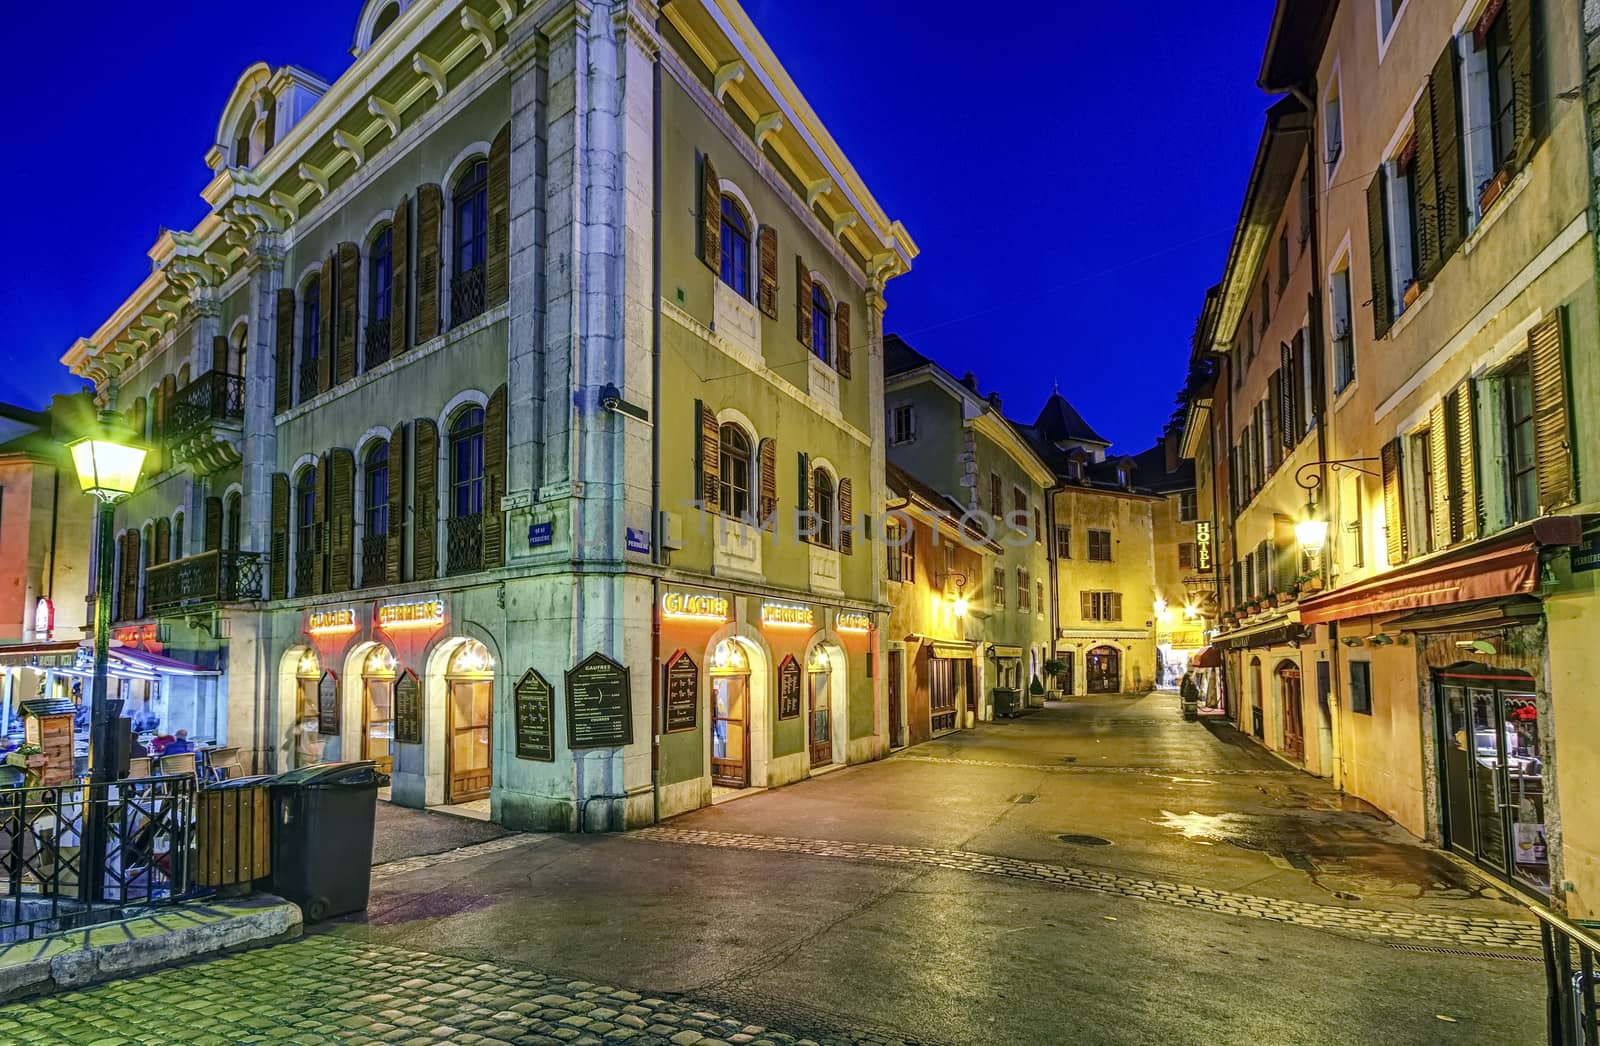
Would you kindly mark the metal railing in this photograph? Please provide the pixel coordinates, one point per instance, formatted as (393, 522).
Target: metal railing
(306, 563)
(468, 295)
(210, 577)
(1570, 972)
(310, 385)
(214, 396)
(44, 844)
(374, 561)
(464, 544)
(375, 344)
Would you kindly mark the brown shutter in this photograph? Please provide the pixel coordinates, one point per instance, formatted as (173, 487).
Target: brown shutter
(841, 338)
(1315, 334)
(319, 529)
(169, 398)
(1520, 29)
(283, 350)
(349, 294)
(1445, 93)
(1464, 466)
(1285, 389)
(847, 517)
(767, 452)
(341, 518)
(803, 501)
(425, 498)
(280, 536)
(213, 524)
(326, 327)
(1086, 605)
(162, 552)
(494, 479)
(767, 285)
(1426, 248)
(1438, 460)
(1116, 606)
(430, 205)
(1394, 503)
(802, 285)
(219, 353)
(497, 278)
(1272, 418)
(400, 276)
(1378, 252)
(1552, 422)
(394, 550)
(709, 443)
(128, 575)
(710, 216)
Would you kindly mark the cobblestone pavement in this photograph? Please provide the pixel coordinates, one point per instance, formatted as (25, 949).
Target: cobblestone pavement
(1355, 922)
(327, 989)
(1090, 768)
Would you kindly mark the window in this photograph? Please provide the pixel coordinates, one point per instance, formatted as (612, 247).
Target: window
(1361, 687)
(1038, 526)
(380, 284)
(1038, 594)
(1101, 606)
(821, 324)
(734, 497)
(376, 487)
(735, 247)
(822, 505)
(470, 209)
(1063, 542)
(1307, 206)
(1283, 260)
(466, 463)
(1521, 460)
(1019, 510)
(385, 19)
(1344, 346)
(1099, 546)
(999, 588)
(902, 423)
(1186, 555)
(902, 550)
(305, 531)
(1502, 102)
(310, 338)
(1186, 507)
(177, 536)
(233, 509)
(1400, 221)
(1022, 589)
(1266, 310)
(1388, 11)
(996, 505)
(1419, 489)
(1332, 127)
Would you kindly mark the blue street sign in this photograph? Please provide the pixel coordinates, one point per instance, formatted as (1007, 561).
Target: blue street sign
(540, 534)
(639, 540)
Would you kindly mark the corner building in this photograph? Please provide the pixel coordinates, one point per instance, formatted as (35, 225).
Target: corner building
(516, 415)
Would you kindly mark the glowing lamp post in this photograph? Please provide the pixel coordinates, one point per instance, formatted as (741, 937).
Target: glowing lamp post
(1312, 534)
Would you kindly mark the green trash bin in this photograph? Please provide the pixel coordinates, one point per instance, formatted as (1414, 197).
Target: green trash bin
(322, 821)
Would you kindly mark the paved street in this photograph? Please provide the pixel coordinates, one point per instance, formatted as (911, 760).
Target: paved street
(1213, 895)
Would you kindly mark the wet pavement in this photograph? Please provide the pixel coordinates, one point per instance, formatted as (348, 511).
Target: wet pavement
(402, 832)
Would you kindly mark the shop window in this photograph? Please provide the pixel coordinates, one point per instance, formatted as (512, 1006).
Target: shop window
(1361, 687)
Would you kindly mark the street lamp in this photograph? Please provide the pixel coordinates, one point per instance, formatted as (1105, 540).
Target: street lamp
(109, 470)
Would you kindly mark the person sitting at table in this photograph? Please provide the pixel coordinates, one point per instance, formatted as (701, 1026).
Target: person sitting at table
(159, 743)
(145, 718)
(179, 744)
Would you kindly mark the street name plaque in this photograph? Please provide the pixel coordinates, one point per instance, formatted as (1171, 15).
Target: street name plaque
(683, 693)
(789, 688)
(599, 708)
(407, 709)
(536, 732)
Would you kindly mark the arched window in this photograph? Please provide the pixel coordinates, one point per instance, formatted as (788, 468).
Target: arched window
(822, 504)
(374, 542)
(183, 376)
(234, 364)
(305, 536)
(470, 209)
(177, 537)
(380, 283)
(466, 463)
(310, 337)
(386, 18)
(735, 247)
(734, 498)
(821, 323)
(233, 509)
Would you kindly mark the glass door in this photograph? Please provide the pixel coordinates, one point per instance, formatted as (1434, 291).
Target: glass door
(1458, 762)
(377, 728)
(470, 704)
(730, 738)
(1523, 788)
(821, 722)
(1488, 749)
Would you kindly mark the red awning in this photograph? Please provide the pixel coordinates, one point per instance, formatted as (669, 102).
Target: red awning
(1210, 657)
(1508, 566)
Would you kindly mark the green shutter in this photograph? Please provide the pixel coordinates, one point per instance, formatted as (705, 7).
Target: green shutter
(1378, 252)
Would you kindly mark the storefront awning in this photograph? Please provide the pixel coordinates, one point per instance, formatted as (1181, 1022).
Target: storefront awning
(1506, 566)
(1210, 657)
(25, 655)
(955, 651)
(1278, 631)
(132, 663)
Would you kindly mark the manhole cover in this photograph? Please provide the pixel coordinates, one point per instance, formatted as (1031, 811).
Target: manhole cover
(1084, 840)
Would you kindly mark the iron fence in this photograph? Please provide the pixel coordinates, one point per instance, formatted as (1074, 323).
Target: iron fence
(375, 344)
(1570, 974)
(210, 577)
(44, 846)
(310, 382)
(214, 396)
(468, 295)
(464, 544)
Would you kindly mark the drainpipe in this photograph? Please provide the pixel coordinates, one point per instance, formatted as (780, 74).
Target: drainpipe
(656, 552)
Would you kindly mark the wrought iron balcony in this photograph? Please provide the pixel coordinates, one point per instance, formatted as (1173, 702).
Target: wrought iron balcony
(309, 385)
(464, 544)
(468, 295)
(210, 577)
(374, 561)
(204, 422)
(375, 344)
(306, 563)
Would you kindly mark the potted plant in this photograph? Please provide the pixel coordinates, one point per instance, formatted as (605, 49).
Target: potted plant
(1054, 669)
(1309, 584)
(25, 766)
(1409, 294)
(1036, 692)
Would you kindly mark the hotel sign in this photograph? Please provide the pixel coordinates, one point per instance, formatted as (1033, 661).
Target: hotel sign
(786, 615)
(698, 606)
(421, 613)
(330, 620)
(1202, 545)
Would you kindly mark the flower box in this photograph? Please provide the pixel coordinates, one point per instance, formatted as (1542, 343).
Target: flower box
(1492, 190)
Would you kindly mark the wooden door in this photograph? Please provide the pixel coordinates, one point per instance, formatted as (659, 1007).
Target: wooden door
(730, 731)
(1103, 670)
(896, 738)
(821, 727)
(471, 704)
(1294, 730)
(377, 724)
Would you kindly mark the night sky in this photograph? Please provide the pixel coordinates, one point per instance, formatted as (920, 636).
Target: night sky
(1071, 172)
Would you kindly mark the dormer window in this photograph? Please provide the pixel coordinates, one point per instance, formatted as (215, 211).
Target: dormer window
(385, 19)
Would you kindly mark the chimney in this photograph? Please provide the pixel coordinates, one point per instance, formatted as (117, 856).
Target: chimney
(970, 380)
(994, 400)
(1172, 450)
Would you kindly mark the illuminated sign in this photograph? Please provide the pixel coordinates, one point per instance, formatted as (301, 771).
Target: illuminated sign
(786, 615)
(330, 621)
(694, 606)
(44, 618)
(421, 613)
(1202, 545)
(852, 621)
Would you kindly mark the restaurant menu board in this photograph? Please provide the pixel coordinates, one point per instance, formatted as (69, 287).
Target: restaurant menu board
(535, 722)
(407, 709)
(789, 688)
(599, 706)
(328, 705)
(683, 693)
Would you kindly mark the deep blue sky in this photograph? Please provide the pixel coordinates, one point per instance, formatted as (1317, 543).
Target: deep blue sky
(1072, 172)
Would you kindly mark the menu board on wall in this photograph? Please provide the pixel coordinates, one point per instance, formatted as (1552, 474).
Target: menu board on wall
(535, 723)
(599, 705)
(407, 709)
(328, 705)
(789, 679)
(683, 693)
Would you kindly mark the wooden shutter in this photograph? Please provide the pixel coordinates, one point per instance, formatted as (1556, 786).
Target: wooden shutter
(1288, 379)
(169, 398)
(283, 351)
(1444, 91)
(280, 537)
(269, 137)
(1378, 252)
(319, 529)
(1438, 460)
(219, 353)
(1272, 411)
(1086, 605)
(1463, 463)
(497, 276)
(430, 207)
(802, 285)
(841, 338)
(213, 524)
(128, 575)
(326, 328)
(400, 276)
(767, 279)
(162, 552)
(1394, 503)
(494, 480)
(1552, 422)
(1116, 606)
(1426, 187)
(767, 452)
(803, 501)
(341, 518)
(349, 296)
(425, 499)
(1314, 335)
(394, 542)
(847, 517)
(709, 444)
(1520, 30)
(710, 216)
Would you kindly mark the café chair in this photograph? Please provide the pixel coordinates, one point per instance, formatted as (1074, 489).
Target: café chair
(223, 763)
(139, 766)
(179, 763)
